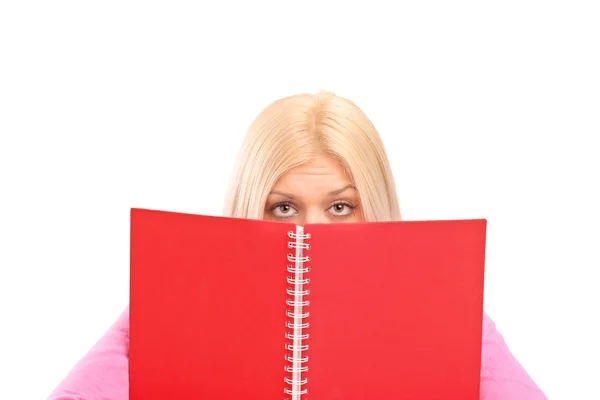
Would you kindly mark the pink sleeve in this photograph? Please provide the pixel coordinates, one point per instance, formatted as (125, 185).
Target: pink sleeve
(502, 377)
(103, 372)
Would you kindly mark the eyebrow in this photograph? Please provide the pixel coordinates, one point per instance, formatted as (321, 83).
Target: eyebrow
(336, 192)
(289, 196)
(333, 193)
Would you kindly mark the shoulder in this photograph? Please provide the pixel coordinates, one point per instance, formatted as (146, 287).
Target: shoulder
(103, 371)
(502, 376)
(488, 325)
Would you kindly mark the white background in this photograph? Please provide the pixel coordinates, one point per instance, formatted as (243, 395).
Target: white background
(486, 109)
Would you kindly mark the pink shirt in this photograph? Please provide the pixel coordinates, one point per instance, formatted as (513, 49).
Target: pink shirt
(103, 372)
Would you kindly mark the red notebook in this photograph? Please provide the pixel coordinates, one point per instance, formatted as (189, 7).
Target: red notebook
(225, 308)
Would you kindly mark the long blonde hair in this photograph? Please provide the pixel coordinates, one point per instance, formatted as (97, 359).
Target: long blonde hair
(295, 130)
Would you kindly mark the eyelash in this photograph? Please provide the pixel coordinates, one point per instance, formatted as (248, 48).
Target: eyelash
(342, 202)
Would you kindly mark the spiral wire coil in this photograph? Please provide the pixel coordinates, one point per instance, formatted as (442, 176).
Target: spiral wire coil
(297, 316)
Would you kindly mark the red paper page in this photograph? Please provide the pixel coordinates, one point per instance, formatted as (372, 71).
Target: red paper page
(207, 307)
(395, 310)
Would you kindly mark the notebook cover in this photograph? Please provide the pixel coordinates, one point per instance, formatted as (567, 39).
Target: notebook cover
(207, 307)
(395, 308)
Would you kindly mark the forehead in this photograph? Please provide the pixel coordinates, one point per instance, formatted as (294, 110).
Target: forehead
(323, 170)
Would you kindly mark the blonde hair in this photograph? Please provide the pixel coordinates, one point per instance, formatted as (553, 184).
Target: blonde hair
(295, 130)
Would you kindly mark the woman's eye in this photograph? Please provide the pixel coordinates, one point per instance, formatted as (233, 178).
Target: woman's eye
(341, 209)
(284, 210)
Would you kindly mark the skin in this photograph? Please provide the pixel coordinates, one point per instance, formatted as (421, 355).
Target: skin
(317, 192)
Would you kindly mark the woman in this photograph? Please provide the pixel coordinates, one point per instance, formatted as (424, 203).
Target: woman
(306, 159)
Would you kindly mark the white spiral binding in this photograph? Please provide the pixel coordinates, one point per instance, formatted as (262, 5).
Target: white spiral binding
(298, 317)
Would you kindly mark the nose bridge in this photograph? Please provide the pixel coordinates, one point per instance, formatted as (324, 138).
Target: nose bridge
(315, 215)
